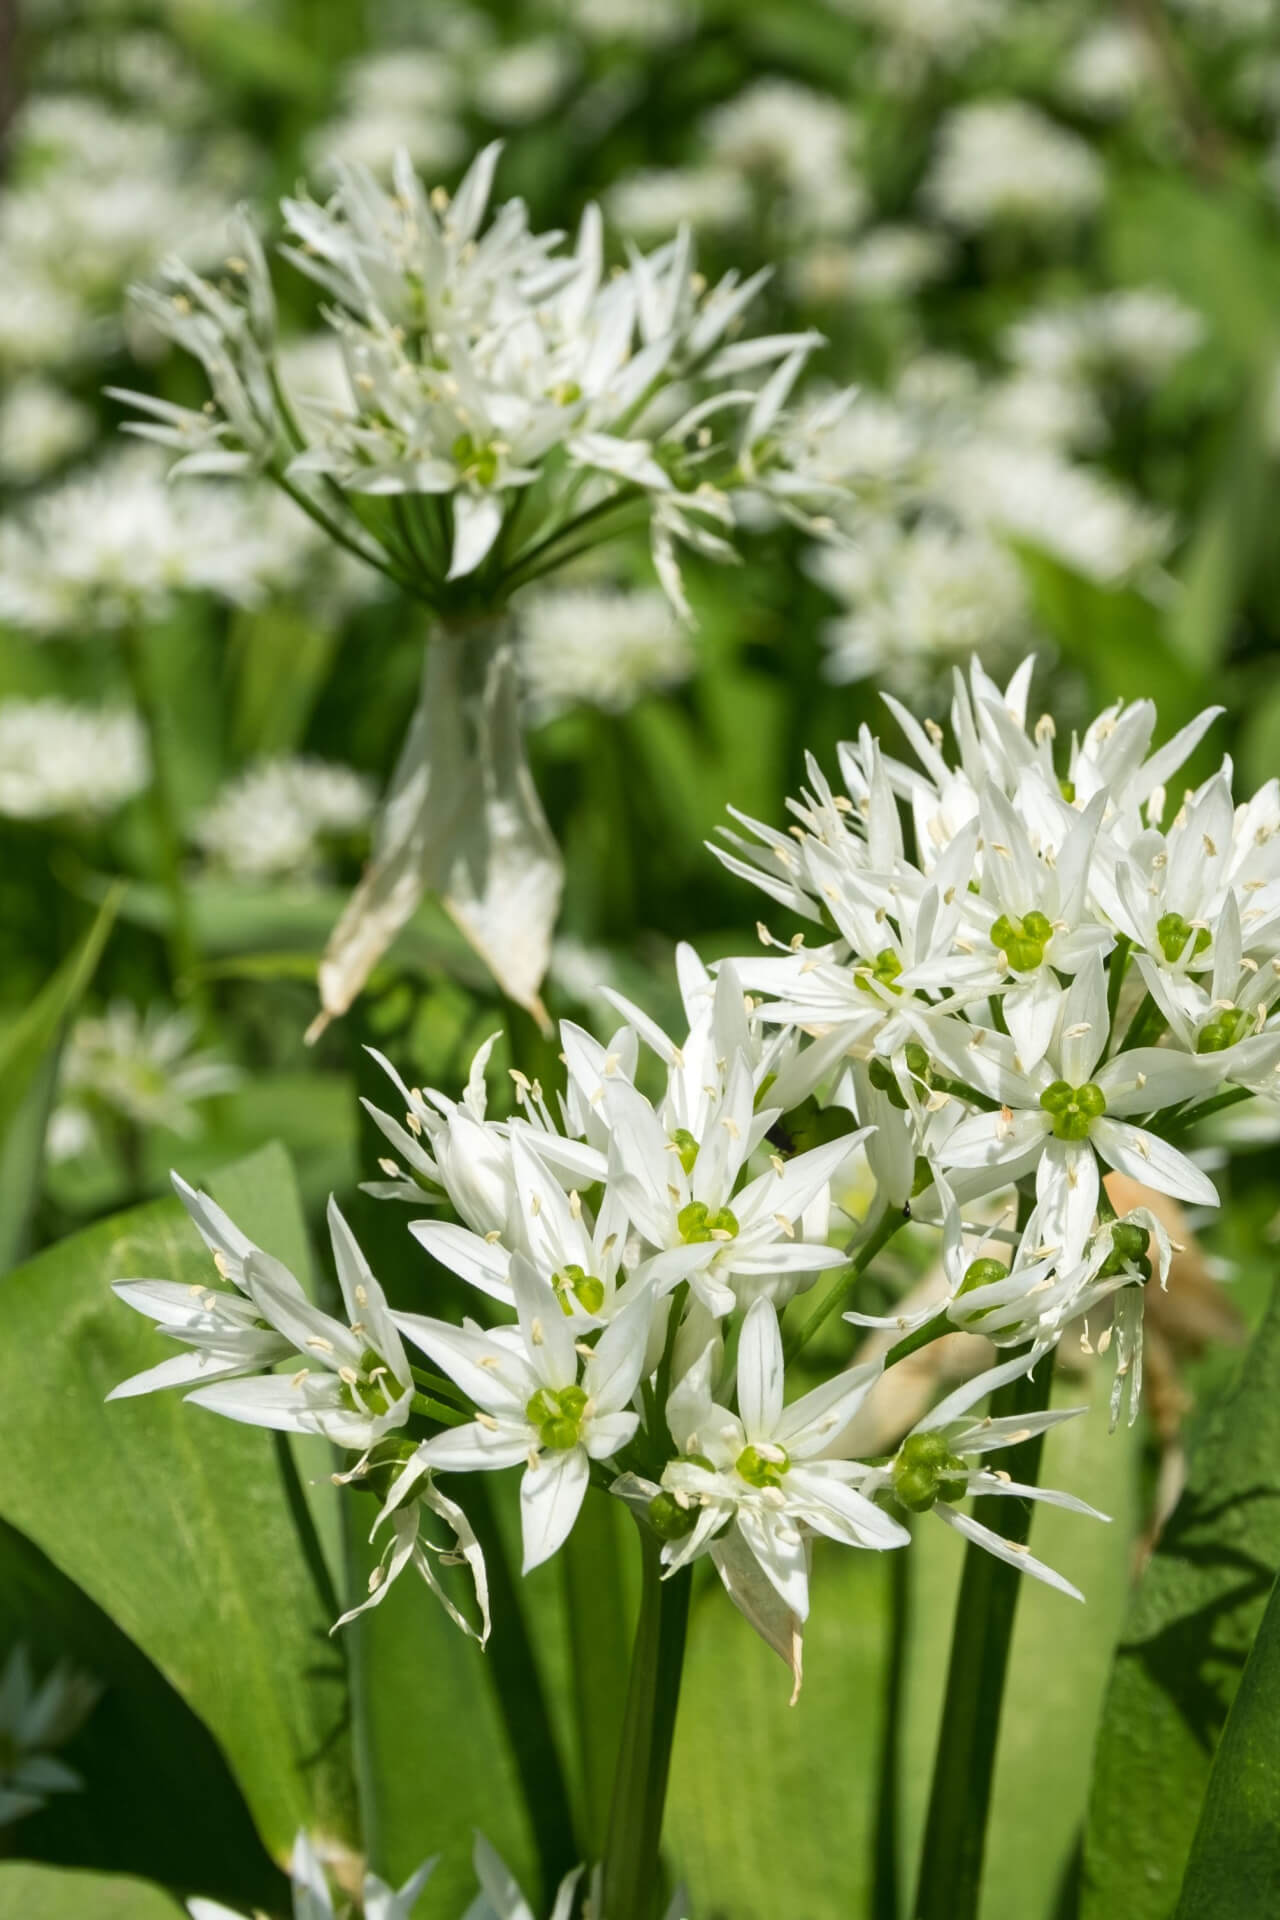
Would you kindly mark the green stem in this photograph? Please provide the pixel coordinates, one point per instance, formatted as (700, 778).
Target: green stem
(882, 1232)
(1146, 1026)
(631, 1856)
(521, 1699)
(886, 1895)
(597, 1620)
(184, 961)
(964, 1765)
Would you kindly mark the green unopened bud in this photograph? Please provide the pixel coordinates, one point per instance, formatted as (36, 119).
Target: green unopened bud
(917, 1059)
(686, 1146)
(669, 1520)
(1074, 1109)
(927, 1471)
(1023, 941)
(762, 1470)
(983, 1273)
(922, 1178)
(1173, 933)
(1067, 788)
(880, 1074)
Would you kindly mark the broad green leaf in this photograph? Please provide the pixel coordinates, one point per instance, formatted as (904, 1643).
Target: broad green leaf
(1185, 1640)
(173, 1521)
(1234, 1867)
(281, 660)
(28, 1066)
(172, 1815)
(53, 1893)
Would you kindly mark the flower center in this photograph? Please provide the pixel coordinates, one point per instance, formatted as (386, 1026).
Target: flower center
(883, 971)
(697, 1223)
(669, 1520)
(475, 460)
(762, 1467)
(1225, 1028)
(1022, 942)
(686, 1146)
(927, 1471)
(1129, 1245)
(1173, 933)
(557, 1412)
(1074, 1109)
(584, 1287)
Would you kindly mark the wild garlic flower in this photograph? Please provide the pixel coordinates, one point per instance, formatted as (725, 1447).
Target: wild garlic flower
(35, 1720)
(274, 818)
(509, 404)
(652, 201)
(1136, 335)
(117, 545)
(59, 760)
(603, 647)
(145, 1069)
(789, 141)
(41, 425)
(943, 1460)
(1003, 163)
(313, 1897)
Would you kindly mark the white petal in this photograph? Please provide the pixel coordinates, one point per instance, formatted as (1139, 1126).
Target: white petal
(760, 1371)
(1025, 1562)
(551, 1496)
(1154, 1162)
(477, 522)
(477, 1449)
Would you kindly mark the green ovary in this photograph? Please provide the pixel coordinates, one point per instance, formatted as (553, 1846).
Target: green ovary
(1173, 933)
(1022, 942)
(697, 1223)
(883, 970)
(759, 1471)
(927, 1471)
(686, 1146)
(1129, 1248)
(557, 1415)
(1074, 1109)
(669, 1520)
(1226, 1027)
(475, 461)
(584, 1287)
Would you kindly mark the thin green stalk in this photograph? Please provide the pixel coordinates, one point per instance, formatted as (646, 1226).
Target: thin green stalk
(541, 548)
(520, 1696)
(304, 1526)
(878, 1236)
(184, 959)
(631, 1856)
(964, 1765)
(886, 1892)
(597, 1619)
(1145, 1028)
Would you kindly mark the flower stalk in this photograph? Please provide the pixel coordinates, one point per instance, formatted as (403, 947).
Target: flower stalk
(964, 1764)
(632, 1848)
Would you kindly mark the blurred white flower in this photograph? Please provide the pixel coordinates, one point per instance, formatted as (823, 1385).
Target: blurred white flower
(313, 1900)
(889, 262)
(1004, 163)
(1135, 334)
(33, 1721)
(114, 545)
(520, 83)
(1107, 70)
(796, 141)
(144, 1068)
(41, 324)
(647, 22)
(272, 819)
(40, 425)
(599, 647)
(406, 98)
(56, 758)
(920, 600)
(653, 201)
(922, 33)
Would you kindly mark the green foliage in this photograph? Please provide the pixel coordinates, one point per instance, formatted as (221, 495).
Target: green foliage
(1234, 1867)
(177, 1527)
(50, 1893)
(1183, 1646)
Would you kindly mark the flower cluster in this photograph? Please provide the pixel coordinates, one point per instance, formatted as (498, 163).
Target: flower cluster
(1024, 972)
(502, 393)
(57, 759)
(275, 817)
